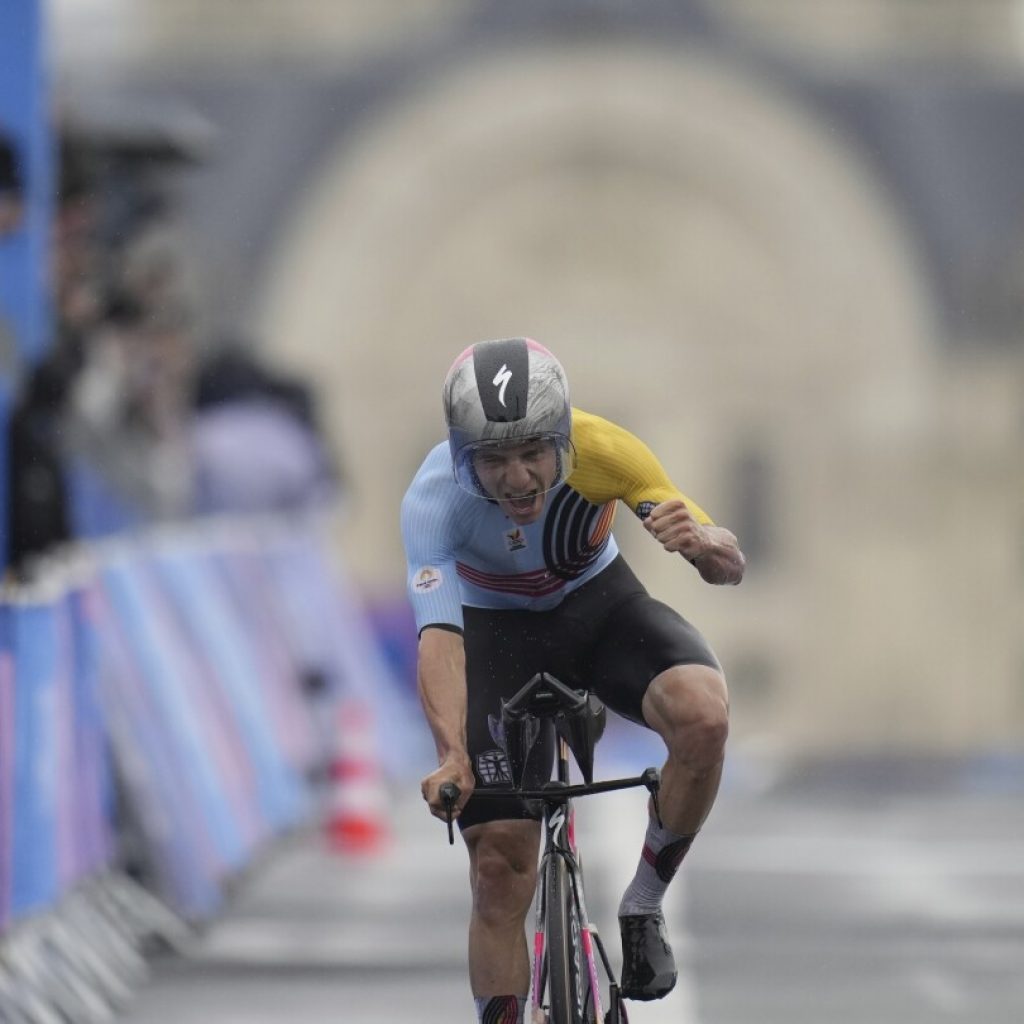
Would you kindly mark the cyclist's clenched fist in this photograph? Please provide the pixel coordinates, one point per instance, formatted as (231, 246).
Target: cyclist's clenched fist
(712, 549)
(452, 769)
(675, 529)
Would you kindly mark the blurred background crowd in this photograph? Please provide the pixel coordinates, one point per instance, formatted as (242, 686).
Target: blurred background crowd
(132, 416)
(781, 241)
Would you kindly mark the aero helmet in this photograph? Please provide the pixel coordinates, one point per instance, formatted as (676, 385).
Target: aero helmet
(506, 392)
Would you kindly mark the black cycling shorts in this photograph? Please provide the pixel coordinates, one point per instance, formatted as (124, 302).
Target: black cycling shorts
(608, 636)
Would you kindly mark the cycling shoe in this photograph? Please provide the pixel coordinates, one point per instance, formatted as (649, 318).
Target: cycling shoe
(648, 967)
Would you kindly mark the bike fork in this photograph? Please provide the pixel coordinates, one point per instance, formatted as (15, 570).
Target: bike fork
(616, 1011)
(591, 941)
(539, 948)
(538, 972)
(587, 934)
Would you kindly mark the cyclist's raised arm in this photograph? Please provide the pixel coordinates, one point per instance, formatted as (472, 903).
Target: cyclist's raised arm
(621, 466)
(441, 677)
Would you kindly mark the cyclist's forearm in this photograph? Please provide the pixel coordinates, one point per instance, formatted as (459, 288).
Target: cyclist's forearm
(442, 690)
(446, 715)
(722, 561)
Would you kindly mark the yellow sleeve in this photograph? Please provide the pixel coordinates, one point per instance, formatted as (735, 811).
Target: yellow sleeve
(613, 463)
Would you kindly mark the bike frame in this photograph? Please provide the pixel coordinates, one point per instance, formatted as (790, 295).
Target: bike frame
(544, 698)
(560, 843)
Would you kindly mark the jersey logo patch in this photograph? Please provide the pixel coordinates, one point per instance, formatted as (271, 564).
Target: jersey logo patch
(427, 579)
(515, 540)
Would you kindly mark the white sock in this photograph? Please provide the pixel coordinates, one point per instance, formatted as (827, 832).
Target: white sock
(662, 854)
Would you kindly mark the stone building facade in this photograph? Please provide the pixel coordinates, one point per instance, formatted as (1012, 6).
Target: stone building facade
(769, 253)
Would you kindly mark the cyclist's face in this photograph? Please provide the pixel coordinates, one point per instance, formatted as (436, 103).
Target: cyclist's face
(517, 477)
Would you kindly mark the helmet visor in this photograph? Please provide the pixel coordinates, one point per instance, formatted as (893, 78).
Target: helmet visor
(504, 469)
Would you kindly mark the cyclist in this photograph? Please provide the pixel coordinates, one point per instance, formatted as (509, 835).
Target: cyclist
(513, 569)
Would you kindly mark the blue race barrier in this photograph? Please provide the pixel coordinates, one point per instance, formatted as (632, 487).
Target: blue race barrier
(26, 123)
(183, 661)
(204, 704)
(176, 698)
(219, 634)
(250, 587)
(6, 766)
(34, 878)
(94, 806)
(54, 795)
(25, 126)
(336, 633)
(67, 784)
(180, 853)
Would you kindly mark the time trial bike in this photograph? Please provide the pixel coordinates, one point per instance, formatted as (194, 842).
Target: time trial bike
(571, 969)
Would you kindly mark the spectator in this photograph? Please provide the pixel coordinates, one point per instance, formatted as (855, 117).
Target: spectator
(11, 188)
(256, 447)
(130, 410)
(121, 301)
(38, 513)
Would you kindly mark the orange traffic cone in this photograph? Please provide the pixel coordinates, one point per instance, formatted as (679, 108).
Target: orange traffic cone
(357, 816)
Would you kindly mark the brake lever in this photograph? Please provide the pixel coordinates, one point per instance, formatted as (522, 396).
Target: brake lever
(450, 794)
(652, 780)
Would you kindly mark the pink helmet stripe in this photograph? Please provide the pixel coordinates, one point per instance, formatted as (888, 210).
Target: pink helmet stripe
(460, 359)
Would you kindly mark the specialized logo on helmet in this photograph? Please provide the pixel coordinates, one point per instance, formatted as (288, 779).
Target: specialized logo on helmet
(505, 391)
(501, 379)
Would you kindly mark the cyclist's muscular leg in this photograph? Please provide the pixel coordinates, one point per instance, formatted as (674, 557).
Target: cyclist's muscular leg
(688, 706)
(503, 875)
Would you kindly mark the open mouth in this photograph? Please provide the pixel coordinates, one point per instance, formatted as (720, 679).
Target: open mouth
(522, 503)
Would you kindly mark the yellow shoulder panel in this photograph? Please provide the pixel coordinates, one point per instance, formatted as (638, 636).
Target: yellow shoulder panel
(614, 464)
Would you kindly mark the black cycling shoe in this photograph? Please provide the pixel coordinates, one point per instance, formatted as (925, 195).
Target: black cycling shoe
(648, 967)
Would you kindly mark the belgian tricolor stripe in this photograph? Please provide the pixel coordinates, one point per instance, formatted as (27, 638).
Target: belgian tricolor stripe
(575, 533)
(531, 584)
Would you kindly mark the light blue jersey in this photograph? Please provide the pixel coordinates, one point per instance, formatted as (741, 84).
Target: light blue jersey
(463, 550)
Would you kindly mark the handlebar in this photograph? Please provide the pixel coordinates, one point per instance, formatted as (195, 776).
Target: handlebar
(650, 779)
(450, 794)
(578, 717)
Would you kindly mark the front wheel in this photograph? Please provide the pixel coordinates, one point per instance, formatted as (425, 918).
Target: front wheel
(566, 978)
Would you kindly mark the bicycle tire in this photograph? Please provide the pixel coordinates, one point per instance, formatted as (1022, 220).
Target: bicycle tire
(566, 981)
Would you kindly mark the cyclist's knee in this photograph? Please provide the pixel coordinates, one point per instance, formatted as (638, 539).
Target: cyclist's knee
(503, 868)
(688, 706)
